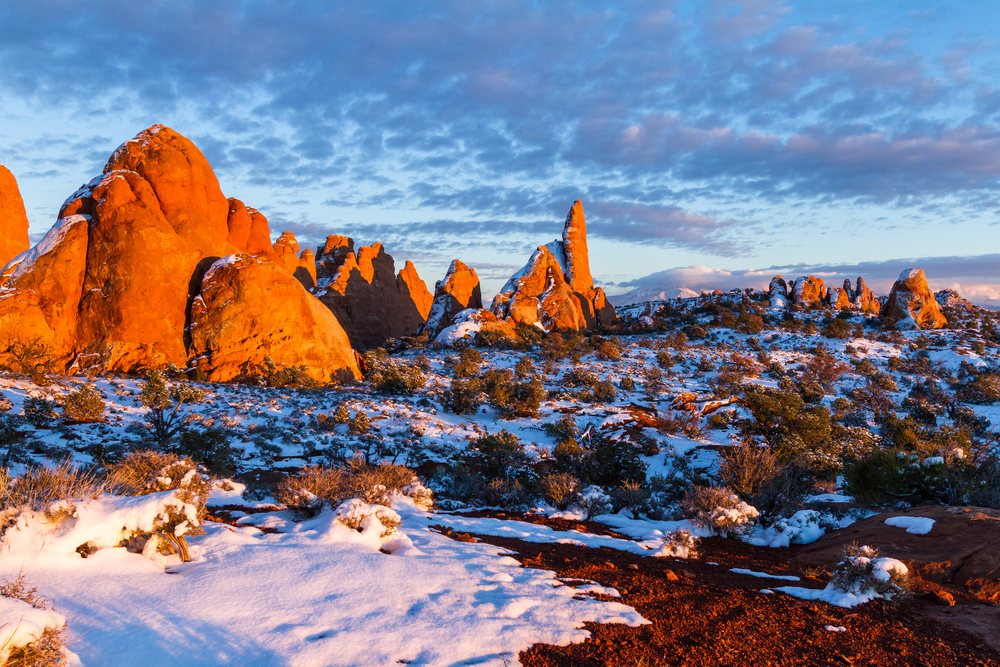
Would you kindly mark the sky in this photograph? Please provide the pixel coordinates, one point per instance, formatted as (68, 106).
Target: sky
(713, 143)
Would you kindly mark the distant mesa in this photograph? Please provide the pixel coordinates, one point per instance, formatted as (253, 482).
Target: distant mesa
(911, 304)
(13, 219)
(112, 285)
(370, 300)
(555, 290)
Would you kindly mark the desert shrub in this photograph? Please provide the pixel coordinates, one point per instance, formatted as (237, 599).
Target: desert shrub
(40, 411)
(5, 404)
(211, 448)
(776, 490)
(593, 502)
(463, 397)
(468, 363)
(517, 399)
(606, 349)
(165, 403)
(11, 438)
(836, 328)
(499, 456)
(524, 368)
(357, 514)
(41, 486)
(861, 571)
(615, 462)
(360, 423)
(631, 496)
(626, 383)
(391, 376)
(506, 494)
(678, 544)
(341, 415)
(32, 357)
(562, 429)
(144, 472)
(317, 487)
(664, 360)
(980, 388)
(825, 369)
(47, 650)
(84, 406)
(717, 509)
(559, 488)
(282, 375)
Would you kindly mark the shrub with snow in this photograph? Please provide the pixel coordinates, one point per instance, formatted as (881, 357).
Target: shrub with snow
(678, 544)
(30, 632)
(592, 502)
(803, 527)
(718, 509)
(559, 488)
(83, 406)
(318, 487)
(862, 573)
(361, 516)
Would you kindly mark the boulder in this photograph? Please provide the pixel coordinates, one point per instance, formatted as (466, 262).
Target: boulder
(911, 304)
(471, 322)
(250, 308)
(13, 219)
(837, 298)
(961, 549)
(457, 292)
(808, 292)
(362, 289)
(949, 298)
(555, 290)
(777, 293)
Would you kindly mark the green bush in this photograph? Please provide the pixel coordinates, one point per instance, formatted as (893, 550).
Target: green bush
(212, 449)
(513, 399)
(40, 411)
(499, 456)
(390, 376)
(165, 416)
(468, 363)
(84, 406)
(463, 397)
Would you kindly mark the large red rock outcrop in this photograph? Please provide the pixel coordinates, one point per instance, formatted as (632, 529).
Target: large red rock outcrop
(837, 298)
(13, 219)
(250, 308)
(302, 266)
(862, 297)
(555, 290)
(808, 292)
(911, 304)
(112, 284)
(362, 289)
(458, 291)
(777, 293)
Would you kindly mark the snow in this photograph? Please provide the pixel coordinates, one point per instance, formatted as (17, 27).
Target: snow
(803, 527)
(465, 325)
(835, 628)
(830, 595)
(228, 260)
(27, 259)
(323, 595)
(21, 624)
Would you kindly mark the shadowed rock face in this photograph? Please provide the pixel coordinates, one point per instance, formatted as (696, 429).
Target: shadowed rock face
(13, 219)
(250, 308)
(555, 290)
(911, 304)
(371, 302)
(458, 291)
(112, 283)
(777, 293)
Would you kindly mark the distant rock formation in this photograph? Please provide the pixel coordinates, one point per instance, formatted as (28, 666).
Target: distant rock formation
(555, 290)
(837, 298)
(13, 219)
(949, 298)
(457, 292)
(911, 305)
(302, 266)
(111, 286)
(250, 308)
(808, 292)
(862, 297)
(777, 293)
(371, 302)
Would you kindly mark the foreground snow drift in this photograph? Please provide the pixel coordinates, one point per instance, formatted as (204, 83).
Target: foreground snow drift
(323, 595)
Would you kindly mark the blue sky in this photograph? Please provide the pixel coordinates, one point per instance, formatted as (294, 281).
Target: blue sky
(735, 139)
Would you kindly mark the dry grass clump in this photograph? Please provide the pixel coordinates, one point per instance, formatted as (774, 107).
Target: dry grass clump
(47, 650)
(40, 488)
(316, 487)
(718, 509)
(559, 488)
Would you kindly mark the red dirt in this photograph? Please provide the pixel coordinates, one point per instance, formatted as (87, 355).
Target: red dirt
(703, 614)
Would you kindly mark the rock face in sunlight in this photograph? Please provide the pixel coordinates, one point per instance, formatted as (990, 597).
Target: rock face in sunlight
(911, 304)
(808, 292)
(110, 287)
(362, 289)
(458, 291)
(837, 298)
(862, 297)
(13, 218)
(555, 290)
(250, 308)
(302, 266)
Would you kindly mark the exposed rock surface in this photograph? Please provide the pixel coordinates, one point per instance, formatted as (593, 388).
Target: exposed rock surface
(911, 305)
(457, 292)
(468, 323)
(555, 290)
(862, 297)
(777, 293)
(302, 266)
(112, 283)
(808, 292)
(837, 298)
(949, 298)
(962, 547)
(250, 308)
(13, 219)
(371, 302)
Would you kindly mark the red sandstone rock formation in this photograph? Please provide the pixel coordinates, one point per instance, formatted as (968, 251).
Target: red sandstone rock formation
(471, 322)
(555, 290)
(777, 293)
(808, 292)
(458, 291)
(837, 298)
(250, 308)
(911, 304)
(13, 219)
(362, 289)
